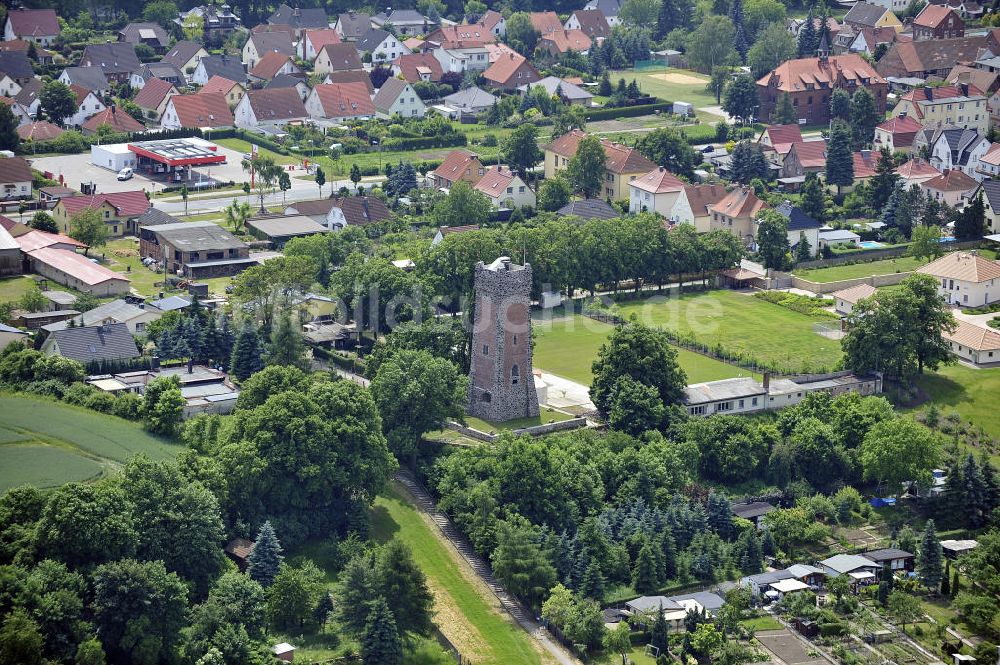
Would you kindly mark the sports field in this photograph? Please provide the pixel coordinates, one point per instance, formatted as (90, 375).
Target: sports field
(568, 347)
(855, 270)
(46, 443)
(674, 85)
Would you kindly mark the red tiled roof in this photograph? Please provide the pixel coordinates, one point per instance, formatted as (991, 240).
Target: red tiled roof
(977, 338)
(991, 157)
(545, 22)
(33, 22)
(80, 92)
(469, 35)
(410, 66)
(343, 56)
(495, 181)
(924, 95)
(658, 181)
(618, 158)
(119, 121)
(40, 130)
(793, 75)
(568, 40)
(218, 84)
(593, 23)
(35, 239)
(811, 154)
(127, 204)
(76, 266)
(344, 100)
(490, 19)
(931, 16)
(204, 109)
(322, 37)
(741, 202)
(455, 164)
(351, 76)
(701, 197)
(903, 130)
(498, 51)
(504, 69)
(952, 180)
(864, 164)
(779, 134)
(153, 93)
(276, 104)
(269, 65)
(965, 266)
(916, 168)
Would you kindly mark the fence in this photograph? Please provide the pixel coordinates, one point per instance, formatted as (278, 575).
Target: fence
(447, 645)
(829, 287)
(867, 255)
(649, 66)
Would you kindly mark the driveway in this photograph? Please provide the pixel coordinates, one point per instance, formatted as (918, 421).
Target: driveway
(564, 393)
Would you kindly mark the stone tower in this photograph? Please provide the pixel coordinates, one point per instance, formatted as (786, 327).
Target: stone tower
(501, 384)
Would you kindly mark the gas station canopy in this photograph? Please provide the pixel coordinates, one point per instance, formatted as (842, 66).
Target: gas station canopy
(178, 152)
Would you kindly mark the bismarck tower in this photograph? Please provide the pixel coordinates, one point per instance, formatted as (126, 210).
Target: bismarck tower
(501, 383)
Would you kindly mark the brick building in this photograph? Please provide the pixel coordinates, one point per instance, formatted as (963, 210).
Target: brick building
(195, 249)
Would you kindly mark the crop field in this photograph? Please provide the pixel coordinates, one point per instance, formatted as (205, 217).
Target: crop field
(46, 443)
(568, 347)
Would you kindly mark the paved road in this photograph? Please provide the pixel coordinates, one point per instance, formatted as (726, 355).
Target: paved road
(421, 498)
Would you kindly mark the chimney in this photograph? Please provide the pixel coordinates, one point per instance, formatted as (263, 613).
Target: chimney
(928, 92)
(767, 382)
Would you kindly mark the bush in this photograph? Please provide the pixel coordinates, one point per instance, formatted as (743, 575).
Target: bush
(832, 629)
(425, 142)
(631, 112)
(128, 406)
(810, 306)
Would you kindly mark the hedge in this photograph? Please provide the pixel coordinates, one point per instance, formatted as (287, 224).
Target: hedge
(423, 142)
(629, 111)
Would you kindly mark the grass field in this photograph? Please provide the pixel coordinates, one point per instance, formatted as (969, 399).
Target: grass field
(544, 417)
(855, 270)
(568, 347)
(675, 85)
(12, 288)
(970, 392)
(464, 611)
(47, 443)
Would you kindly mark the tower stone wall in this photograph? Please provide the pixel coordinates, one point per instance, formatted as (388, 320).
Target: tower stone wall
(501, 382)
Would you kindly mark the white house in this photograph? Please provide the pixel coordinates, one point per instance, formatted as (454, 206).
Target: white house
(505, 189)
(87, 104)
(845, 299)
(338, 102)
(271, 107)
(398, 97)
(8, 86)
(382, 46)
(800, 226)
(659, 191)
(34, 25)
(965, 279)
(15, 178)
(466, 58)
(961, 149)
(135, 317)
(973, 343)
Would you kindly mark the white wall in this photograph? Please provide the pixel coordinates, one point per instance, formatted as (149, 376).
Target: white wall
(969, 294)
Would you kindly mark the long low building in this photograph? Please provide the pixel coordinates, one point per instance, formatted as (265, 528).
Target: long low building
(280, 229)
(747, 395)
(76, 271)
(974, 344)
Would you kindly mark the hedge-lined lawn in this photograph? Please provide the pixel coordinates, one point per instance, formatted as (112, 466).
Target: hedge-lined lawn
(464, 609)
(244, 147)
(741, 324)
(46, 443)
(12, 288)
(568, 347)
(672, 85)
(856, 270)
(970, 392)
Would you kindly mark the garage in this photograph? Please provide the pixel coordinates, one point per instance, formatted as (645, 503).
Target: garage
(113, 157)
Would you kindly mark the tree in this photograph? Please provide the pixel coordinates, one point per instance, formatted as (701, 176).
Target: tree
(710, 44)
(355, 174)
(160, 11)
(293, 595)
(89, 652)
(264, 173)
(772, 238)
(640, 13)
(884, 183)
(670, 149)
(741, 99)
(971, 222)
(929, 560)
(236, 215)
(320, 179)
(520, 563)
(840, 157)
(416, 393)
(462, 206)
(287, 347)
(88, 227)
(619, 640)
(264, 561)
(163, 405)
(401, 579)
(553, 194)
(718, 79)
(193, 27)
(926, 242)
(774, 46)
(248, 352)
(645, 355)
(644, 575)
(864, 117)
(20, 637)
(813, 201)
(803, 251)
(520, 149)
(933, 318)
(284, 184)
(748, 163)
(381, 643)
(784, 113)
(521, 34)
(899, 450)
(58, 101)
(808, 39)
(904, 607)
(635, 407)
(840, 105)
(585, 171)
(403, 178)
(234, 602)
(42, 221)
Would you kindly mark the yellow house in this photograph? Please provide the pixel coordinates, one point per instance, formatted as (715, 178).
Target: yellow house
(960, 105)
(622, 164)
(867, 15)
(118, 210)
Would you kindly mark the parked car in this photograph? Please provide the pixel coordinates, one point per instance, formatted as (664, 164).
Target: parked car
(125, 174)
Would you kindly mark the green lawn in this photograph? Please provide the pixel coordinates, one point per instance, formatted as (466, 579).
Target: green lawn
(568, 347)
(970, 392)
(122, 255)
(544, 417)
(762, 623)
(855, 270)
(674, 85)
(471, 621)
(244, 146)
(742, 324)
(47, 443)
(12, 288)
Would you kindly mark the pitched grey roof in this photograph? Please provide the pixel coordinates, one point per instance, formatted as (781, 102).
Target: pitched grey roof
(653, 603)
(154, 217)
(991, 188)
(118, 311)
(91, 78)
(887, 554)
(10, 329)
(136, 33)
(797, 219)
(399, 16)
(589, 209)
(278, 42)
(284, 81)
(16, 64)
(846, 563)
(226, 66)
(751, 510)
(354, 25)
(389, 93)
(371, 39)
(553, 83)
(608, 7)
(113, 58)
(29, 92)
(98, 343)
(170, 303)
(181, 53)
(710, 601)
(306, 17)
(864, 14)
(471, 98)
(162, 70)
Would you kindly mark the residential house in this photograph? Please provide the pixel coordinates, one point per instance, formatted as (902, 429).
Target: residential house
(868, 40)
(219, 21)
(989, 163)
(865, 163)
(960, 105)
(915, 171)
(510, 72)
(9, 334)
(892, 558)
(452, 36)
(779, 138)
(231, 90)
(338, 213)
(471, 100)
(736, 213)
(41, 130)
(897, 133)
(8, 86)
(988, 82)
(622, 163)
(462, 56)
(660, 192)
(300, 18)
(76, 271)
(43, 55)
(845, 299)
(97, 344)
(810, 81)
(700, 199)
(589, 209)
(226, 66)
(291, 81)
(954, 148)
(314, 40)
(804, 157)
(33, 25)
(157, 70)
(116, 59)
(967, 9)
(20, 113)
(273, 107)
(119, 122)
(591, 22)
(933, 57)
(569, 93)
(351, 76)
(416, 67)
(337, 58)
(609, 8)
(752, 511)
(135, 317)
(340, 102)
(398, 97)
(203, 110)
(118, 209)
(197, 250)
(494, 23)
(800, 227)
(457, 165)
(965, 278)
(88, 78)
(261, 43)
(87, 104)
(866, 15)
(406, 22)
(271, 65)
(150, 34)
(28, 97)
(859, 569)
(896, 6)
(185, 56)
(279, 229)
(973, 343)
(16, 66)
(545, 22)
(937, 22)
(505, 189)
(990, 189)
(352, 25)
(380, 46)
(559, 42)
(747, 395)
(15, 179)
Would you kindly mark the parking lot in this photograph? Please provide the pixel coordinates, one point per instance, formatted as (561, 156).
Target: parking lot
(77, 169)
